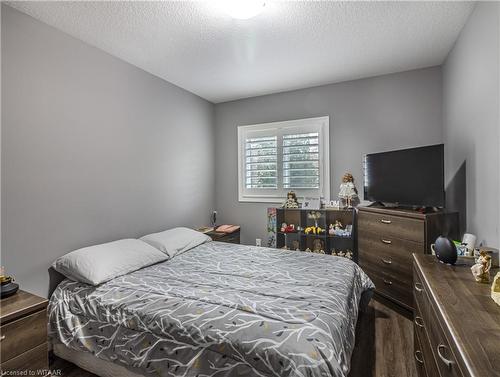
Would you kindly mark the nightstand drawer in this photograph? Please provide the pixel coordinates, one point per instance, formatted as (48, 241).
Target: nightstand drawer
(231, 238)
(22, 335)
(35, 360)
(392, 226)
(225, 237)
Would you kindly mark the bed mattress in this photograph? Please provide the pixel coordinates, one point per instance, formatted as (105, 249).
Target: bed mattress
(219, 310)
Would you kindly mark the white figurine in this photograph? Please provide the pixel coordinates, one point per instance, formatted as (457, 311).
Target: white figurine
(347, 189)
(481, 270)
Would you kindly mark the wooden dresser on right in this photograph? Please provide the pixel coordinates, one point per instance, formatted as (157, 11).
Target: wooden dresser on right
(456, 323)
(386, 240)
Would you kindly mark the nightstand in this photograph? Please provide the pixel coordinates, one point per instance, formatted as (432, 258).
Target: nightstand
(225, 237)
(23, 334)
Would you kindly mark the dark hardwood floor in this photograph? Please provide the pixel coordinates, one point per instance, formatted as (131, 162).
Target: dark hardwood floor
(384, 346)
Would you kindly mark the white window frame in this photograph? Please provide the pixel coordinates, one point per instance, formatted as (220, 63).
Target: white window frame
(319, 124)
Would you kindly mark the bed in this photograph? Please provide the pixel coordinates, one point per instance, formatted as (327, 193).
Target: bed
(217, 310)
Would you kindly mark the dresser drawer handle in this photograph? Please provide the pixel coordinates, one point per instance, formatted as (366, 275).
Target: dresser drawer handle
(446, 362)
(387, 261)
(387, 242)
(418, 287)
(2, 337)
(388, 282)
(418, 357)
(419, 321)
(383, 221)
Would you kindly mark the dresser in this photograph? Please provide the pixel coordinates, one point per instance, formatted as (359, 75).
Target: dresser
(387, 238)
(23, 335)
(456, 323)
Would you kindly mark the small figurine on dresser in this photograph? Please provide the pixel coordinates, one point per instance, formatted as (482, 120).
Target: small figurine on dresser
(348, 190)
(481, 270)
(291, 200)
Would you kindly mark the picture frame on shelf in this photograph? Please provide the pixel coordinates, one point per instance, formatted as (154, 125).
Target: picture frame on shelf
(311, 203)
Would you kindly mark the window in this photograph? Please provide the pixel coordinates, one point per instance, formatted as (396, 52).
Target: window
(274, 158)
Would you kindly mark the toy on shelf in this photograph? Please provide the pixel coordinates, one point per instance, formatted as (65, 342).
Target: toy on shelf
(336, 229)
(318, 246)
(337, 225)
(481, 270)
(314, 230)
(291, 200)
(314, 215)
(331, 230)
(290, 228)
(348, 190)
(344, 254)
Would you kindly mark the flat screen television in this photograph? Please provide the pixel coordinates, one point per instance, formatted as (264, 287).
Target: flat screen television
(407, 177)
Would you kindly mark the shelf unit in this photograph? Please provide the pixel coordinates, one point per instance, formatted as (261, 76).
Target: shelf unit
(298, 217)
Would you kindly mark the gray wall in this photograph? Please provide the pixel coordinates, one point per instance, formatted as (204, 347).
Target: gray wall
(370, 115)
(471, 118)
(93, 150)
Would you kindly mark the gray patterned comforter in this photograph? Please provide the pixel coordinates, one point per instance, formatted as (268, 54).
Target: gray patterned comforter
(219, 310)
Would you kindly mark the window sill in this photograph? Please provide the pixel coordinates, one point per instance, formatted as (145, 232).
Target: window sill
(261, 199)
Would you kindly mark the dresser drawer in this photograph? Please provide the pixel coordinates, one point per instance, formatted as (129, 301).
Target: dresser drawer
(392, 226)
(424, 359)
(384, 263)
(419, 357)
(35, 360)
(392, 287)
(390, 255)
(22, 335)
(445, 360)
(371, 241)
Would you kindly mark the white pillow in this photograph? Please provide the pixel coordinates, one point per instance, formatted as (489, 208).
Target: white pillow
(176, 241)
(97, 264)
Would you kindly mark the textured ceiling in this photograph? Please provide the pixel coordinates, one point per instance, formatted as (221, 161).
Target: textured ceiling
(291, 45)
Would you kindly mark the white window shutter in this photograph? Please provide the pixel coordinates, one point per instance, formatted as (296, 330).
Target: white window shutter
(301, 169)
(261, 162)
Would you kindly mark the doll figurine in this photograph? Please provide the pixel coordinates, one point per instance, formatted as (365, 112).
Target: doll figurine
(347, 189)
(291, 201)
(481, 270)
(318, 246)
(283, 227)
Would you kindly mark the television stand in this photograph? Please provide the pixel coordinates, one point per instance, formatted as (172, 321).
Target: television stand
(387, 238)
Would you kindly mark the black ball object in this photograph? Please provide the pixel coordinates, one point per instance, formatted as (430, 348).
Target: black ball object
(445, 250)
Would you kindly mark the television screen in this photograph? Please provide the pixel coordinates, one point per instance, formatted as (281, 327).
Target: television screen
(412, 177)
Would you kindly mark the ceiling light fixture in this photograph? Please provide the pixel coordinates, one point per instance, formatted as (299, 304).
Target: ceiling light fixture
(244, 9)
